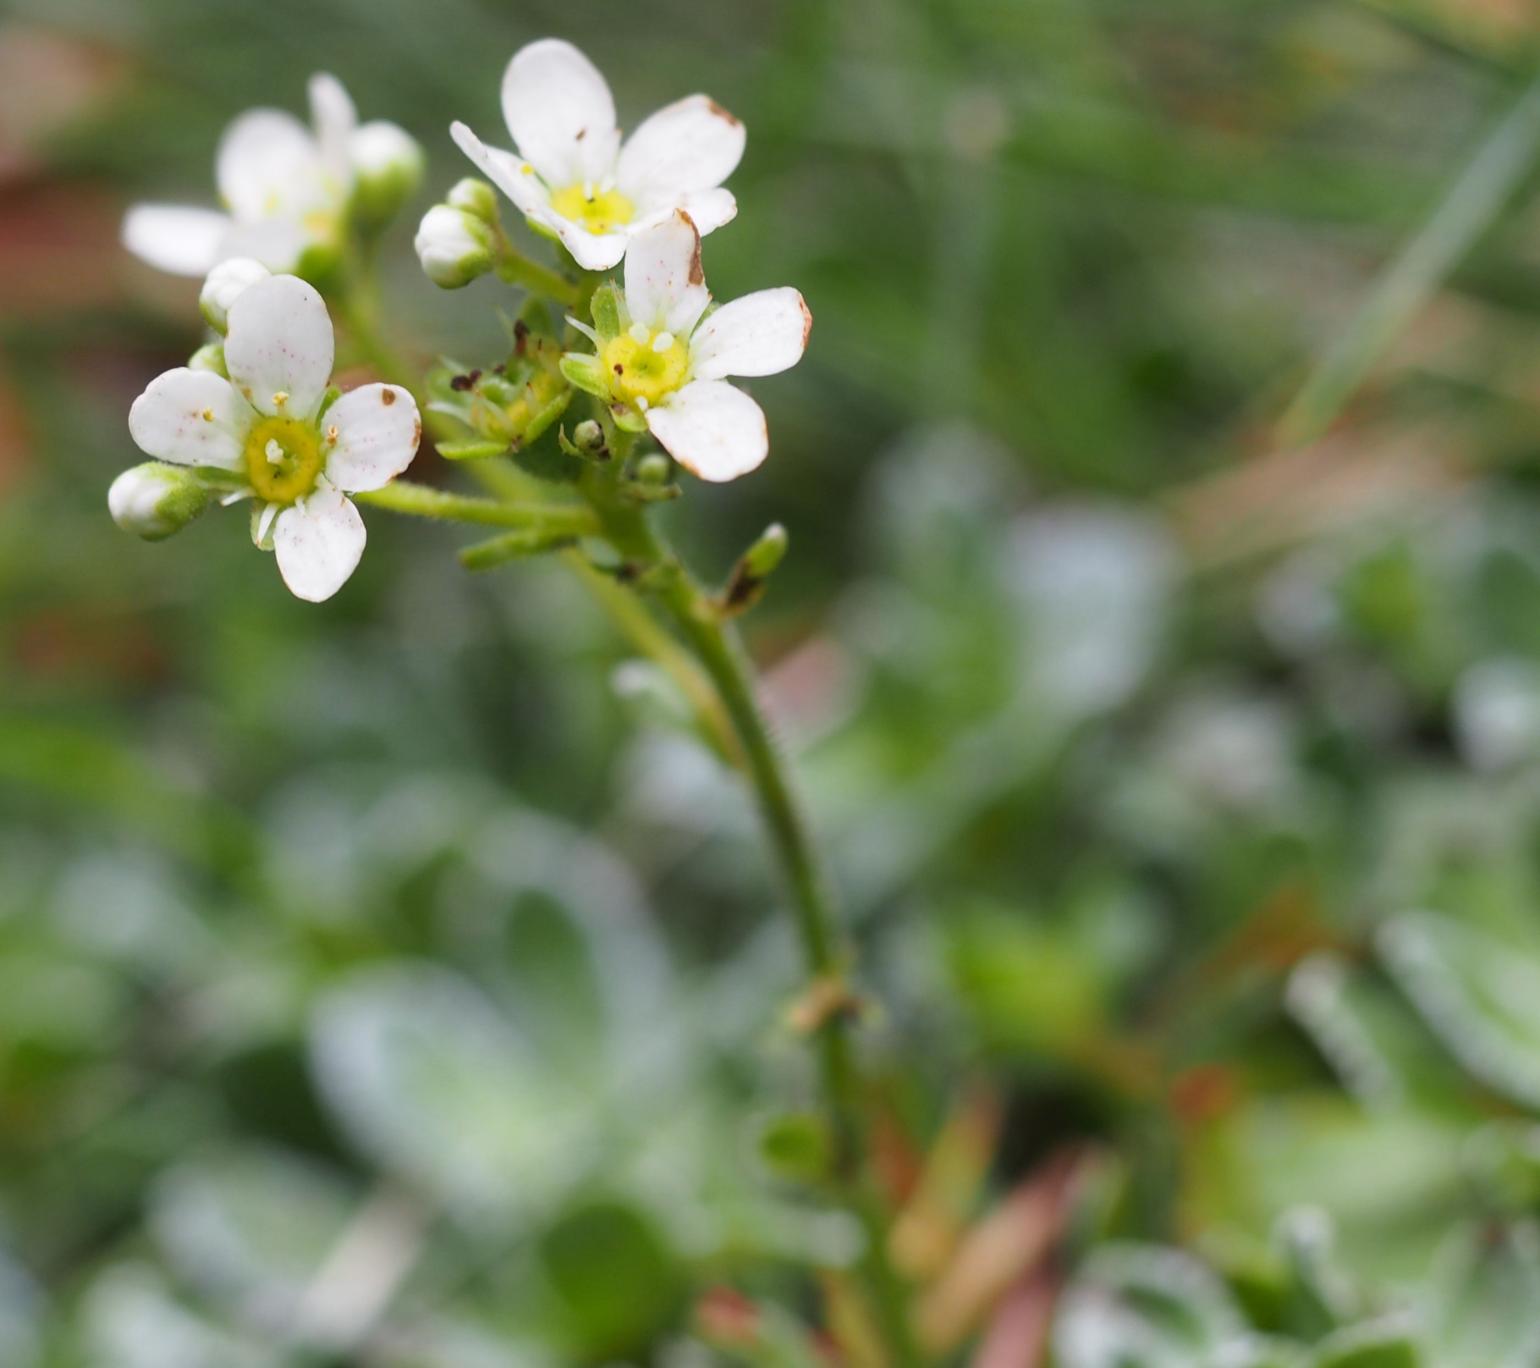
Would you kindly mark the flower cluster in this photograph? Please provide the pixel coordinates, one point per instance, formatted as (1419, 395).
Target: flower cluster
(253, 417)
(662, 354)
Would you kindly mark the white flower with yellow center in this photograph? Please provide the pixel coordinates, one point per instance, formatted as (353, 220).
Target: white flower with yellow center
(572, 175)
(267, 433)
(664, 359)
(287, 188)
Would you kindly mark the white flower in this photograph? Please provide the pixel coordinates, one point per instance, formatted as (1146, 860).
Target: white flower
(669, 364)
(454, 246)
(573, 177)
(226, 283)
(265, 427)
(287, 189)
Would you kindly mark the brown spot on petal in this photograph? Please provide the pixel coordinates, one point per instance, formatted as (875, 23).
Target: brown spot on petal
(807, 321)
(581, 134)
(416, 434)
(387, 397)
(696, 275)
(721, 113)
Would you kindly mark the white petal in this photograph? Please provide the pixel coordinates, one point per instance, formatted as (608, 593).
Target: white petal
(279, 348)
(712, 429)
(378, 430)
(519, 180)
(710, 209)
(693, 144)
(512, 175)
(665, 288)
(591, 251)
(335, 118)
(319, 542)
(191, 417)
(276, 242)
(560, 112)
(269, 164)
(173, 238)
(760, 334)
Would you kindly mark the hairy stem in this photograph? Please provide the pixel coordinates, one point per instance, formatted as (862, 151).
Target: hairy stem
(716, 645)
(423, 501)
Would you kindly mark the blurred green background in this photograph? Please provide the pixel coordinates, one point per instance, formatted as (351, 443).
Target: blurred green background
(396, 982)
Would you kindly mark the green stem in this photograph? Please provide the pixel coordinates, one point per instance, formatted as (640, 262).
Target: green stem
(517, 269)
(719, 650)
(421, 501)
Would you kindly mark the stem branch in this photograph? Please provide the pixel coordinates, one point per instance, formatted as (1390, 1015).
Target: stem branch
(422, 501)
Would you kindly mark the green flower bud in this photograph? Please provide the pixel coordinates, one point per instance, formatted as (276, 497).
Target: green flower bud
(226, 282)
(474, 197)
(454, 247)
(766, 553)
(155, 499)
(654, 469)
(588, 436)
(387, 169)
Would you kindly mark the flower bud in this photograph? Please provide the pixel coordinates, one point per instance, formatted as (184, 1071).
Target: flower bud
(475, 197)
(654, 469)
(154, 500)
(454, 247)
(387, 169)
(588, 435)
(209, 357)
(227, 282)
(766, 553)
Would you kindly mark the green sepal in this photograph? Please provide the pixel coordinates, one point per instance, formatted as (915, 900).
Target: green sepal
(327, 400)
(628, 419)
(584, 373)
(210, 357)
(608, 311)
(258, 507)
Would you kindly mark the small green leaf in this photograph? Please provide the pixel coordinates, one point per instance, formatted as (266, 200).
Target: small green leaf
(797, 1146)
(1382, 1345)
(474, 450)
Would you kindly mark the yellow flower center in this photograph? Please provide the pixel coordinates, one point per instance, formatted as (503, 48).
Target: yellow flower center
(599, 211)
(644, 368)
(284, 458)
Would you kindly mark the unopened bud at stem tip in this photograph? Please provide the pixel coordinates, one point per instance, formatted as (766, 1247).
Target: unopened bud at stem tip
(155, 499)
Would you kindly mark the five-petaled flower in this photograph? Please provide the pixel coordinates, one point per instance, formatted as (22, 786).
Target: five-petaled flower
(662, 358)
(268, 432)
(573, 177)
(287, 188)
